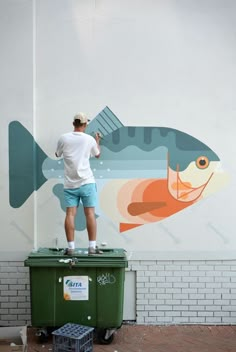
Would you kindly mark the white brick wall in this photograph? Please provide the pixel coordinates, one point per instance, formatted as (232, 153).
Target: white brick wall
(185, 292)
(167, 292)
(14, 294)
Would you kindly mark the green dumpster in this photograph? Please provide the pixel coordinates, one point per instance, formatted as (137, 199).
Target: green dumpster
(81, 289)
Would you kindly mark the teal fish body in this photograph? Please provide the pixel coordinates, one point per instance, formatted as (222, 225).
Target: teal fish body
(149, 148)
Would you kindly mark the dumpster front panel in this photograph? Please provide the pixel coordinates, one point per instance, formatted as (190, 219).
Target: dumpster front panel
(43, 293)
(75, 300)
(110, 297)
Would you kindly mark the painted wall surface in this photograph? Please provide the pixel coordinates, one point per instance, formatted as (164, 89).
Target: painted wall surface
(157, 70)
(16, 94)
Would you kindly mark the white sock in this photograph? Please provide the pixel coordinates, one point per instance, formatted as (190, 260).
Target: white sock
(71, 245)
(92, 244)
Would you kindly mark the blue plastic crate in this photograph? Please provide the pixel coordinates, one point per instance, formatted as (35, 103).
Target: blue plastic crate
(73, 338)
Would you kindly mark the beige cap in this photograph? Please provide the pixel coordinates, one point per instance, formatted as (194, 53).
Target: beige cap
(82, 117)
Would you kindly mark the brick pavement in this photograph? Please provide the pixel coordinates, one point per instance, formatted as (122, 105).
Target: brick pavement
(174, 338)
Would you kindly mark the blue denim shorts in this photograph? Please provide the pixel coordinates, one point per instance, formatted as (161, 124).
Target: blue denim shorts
(87, 194)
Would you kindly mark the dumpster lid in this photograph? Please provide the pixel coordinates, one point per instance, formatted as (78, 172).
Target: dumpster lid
(78, 252)
(80, 257)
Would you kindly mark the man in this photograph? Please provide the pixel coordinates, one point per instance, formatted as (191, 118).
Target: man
(79, 184)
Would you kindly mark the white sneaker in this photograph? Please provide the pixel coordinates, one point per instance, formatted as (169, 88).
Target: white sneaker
(69, 251)
(92, 251)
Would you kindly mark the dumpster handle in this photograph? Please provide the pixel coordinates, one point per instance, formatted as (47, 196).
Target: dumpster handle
(71, 261)
(66, 261)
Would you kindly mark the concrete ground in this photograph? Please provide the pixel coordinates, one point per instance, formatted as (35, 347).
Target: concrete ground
(174, 338)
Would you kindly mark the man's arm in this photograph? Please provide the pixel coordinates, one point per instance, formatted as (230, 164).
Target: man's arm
(58, 152)
(97, 139)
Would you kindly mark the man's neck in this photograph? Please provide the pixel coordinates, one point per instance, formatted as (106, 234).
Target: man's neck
(79, 129)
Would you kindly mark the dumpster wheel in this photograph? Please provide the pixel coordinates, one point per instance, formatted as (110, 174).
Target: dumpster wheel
(105, 336)
(42, 335)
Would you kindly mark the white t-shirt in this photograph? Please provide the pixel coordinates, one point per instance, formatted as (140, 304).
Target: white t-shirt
(76, 149)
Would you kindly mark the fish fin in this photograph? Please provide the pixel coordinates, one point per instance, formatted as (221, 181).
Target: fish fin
(125, 226)
(105, 123)
(138, 208)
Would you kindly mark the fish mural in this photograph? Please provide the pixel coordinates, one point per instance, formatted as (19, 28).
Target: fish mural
(144, 174)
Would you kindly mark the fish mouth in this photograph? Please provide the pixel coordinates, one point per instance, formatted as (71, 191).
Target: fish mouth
(193, 183)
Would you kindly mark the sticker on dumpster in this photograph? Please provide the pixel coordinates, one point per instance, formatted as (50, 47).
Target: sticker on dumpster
(105, 279)
(76, 288)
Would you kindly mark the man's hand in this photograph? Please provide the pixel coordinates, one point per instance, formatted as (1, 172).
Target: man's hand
(98, 137)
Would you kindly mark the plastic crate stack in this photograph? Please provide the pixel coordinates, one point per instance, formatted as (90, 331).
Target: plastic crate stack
(73, 338)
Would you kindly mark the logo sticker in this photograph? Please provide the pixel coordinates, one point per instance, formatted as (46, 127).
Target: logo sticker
(75, 288)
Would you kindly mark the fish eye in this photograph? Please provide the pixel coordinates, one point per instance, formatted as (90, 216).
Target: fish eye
(202, 162)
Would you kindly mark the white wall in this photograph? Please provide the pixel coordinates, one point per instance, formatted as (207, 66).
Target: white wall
(16, 72)
(154, 63)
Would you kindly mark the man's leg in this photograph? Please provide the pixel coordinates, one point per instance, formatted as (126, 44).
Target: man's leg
(92, 230)
(70, 226)
(91, 223)
(89, 200)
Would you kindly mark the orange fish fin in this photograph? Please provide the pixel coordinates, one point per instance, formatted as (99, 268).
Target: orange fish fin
(138, 208)
(125, 226)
